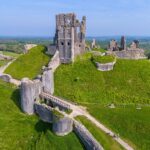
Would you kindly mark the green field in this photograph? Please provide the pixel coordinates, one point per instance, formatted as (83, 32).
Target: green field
(30, 64)
(15, 55)
(127, 84)
(132, 124)
(21, 132)
(105, 140)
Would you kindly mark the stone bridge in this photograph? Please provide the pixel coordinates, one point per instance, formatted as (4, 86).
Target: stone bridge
(56, 101)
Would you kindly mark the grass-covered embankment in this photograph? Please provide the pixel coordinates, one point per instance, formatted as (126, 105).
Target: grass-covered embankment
(30, 64)
(128, 83)
(107, 142)
(131, 123)
(22, 132)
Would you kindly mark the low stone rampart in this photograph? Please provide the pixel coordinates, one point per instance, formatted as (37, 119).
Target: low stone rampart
(4, 57)
(106, 66)
(130, 54)
(86, 137)
(6, 77)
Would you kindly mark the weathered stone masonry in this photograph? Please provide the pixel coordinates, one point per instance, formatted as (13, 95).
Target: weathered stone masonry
(124, 52)
(36, 95)
(69, 37)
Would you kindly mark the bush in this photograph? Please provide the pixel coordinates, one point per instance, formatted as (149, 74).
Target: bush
(103, 59)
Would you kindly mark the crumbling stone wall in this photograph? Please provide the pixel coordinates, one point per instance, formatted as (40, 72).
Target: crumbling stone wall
(106, 66)
(30, 90)
(132, 52)
(6, 77)
(60, 125)
(55, 62)
(4, 57)
(48, 81)
(113, 46)
(86, 137)
(45, 112)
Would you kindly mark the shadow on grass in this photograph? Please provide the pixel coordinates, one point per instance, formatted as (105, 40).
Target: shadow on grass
(43, 126)
(16, 98)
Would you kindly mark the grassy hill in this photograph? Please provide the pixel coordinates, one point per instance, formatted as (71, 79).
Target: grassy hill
(30, 64)
(128, 84)
(132, 124)
(22, 132)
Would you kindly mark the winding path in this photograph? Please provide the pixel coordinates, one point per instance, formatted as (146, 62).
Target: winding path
(76, 110)
(3, 68)
(79, 110)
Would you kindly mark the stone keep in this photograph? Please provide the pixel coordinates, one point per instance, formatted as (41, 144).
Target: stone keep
(69, 37)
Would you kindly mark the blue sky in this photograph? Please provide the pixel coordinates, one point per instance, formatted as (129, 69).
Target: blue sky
(104, 17)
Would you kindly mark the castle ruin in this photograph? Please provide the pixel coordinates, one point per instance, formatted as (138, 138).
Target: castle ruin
(122, 51)
(69, 38)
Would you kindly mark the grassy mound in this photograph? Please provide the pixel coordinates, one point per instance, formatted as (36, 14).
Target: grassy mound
(103, 59)
(131, 124)
(30, 64)
(105, 140)
(21, 132)
(129, 82)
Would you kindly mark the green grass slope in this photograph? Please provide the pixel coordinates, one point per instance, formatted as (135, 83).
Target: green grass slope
(22, 132)
(12, 54)
(30, 64)
(3, 62)
(131, 124)
(105, 140)
(129, 82)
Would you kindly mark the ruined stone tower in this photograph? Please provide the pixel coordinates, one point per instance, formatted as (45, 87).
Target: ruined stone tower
(69, 37)
(123, 43)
